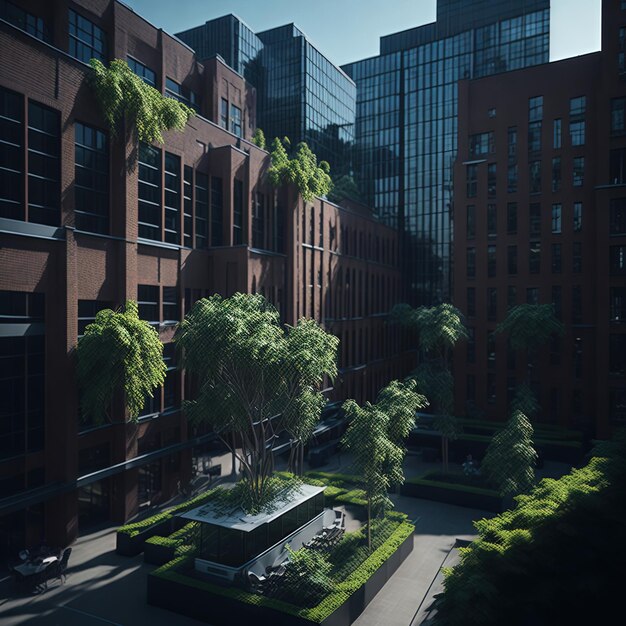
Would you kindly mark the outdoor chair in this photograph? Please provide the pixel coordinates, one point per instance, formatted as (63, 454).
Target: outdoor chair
(58, 568)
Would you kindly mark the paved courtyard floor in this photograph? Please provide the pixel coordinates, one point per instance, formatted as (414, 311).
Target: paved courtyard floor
(104, 588)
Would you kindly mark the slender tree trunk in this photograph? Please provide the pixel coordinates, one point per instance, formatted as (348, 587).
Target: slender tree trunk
(301, 458)
(369, 524)
(233, 470)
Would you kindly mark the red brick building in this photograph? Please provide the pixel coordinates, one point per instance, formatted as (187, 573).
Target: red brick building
(540, 216)
(81, 231)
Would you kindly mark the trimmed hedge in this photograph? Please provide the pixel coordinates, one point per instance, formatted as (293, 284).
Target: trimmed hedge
(159, 550)
(343, 590)
(337, 480)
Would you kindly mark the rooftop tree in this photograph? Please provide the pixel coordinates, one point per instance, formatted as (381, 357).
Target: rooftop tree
(118, 352)
(255, 378)
(439, 328)
(375, 437)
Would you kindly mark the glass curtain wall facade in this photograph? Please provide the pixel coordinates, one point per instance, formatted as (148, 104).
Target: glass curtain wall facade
(406, 129)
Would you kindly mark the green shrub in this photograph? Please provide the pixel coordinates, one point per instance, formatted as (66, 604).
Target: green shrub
(337, 480)
(354, 496)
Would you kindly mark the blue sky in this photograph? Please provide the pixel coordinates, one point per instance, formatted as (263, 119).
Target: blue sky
(348, 30)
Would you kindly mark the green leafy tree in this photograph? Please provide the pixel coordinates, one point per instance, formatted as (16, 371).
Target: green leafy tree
(255, 378)
(118, 351)
(375, 437)
(439, 328)
(301, 169)
(344, 188)
(556, 558)
(124, 97)
(258, 138)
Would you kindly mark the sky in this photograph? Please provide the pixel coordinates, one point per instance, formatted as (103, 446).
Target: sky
(349, 30)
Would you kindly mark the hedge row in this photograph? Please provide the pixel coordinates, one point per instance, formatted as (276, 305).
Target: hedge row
(343, 590)
(177, 538)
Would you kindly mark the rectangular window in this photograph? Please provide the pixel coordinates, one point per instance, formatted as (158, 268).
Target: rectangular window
(148, 301)
(472, 181)
(471, 262)
(91, 179)
(171, 309)
(511, 296)
(617, 260)
(172, 198)
(11, 155)
(534, 257)
(578, 216)
(224, 113)
(492, 220)
(535, 108)
(44, 146)
(471, 221)
(577, 304)
(471, 345)
(217, 210)
(87, 311)
(578, 358)
(235, 120)
(557, 301)
(617, 218)
(149, 192)
(511, 181)
(577, 107)
(491, 180)
(617, 354)
(471, 302)
(577, 133)
(491, 387)
(618, 304)
(617, 166)
(618, 122)
(492, 304)
(556, 174)
(238, 212)
(534, 219)
(534, 173)
(534, 136)
(481, 144)
(87, 41)
(511, 218)
(577, 257)
(555, 350)
(532, 295)
(556, 134)
(258, 221)
(202, 210)
(512, 260)
(491, 261)
(556, 258)
(170, 386)
(491, 351)
(512, 143)
(617, 404)
(556, 219)
(23, 20)
(181, 93)
(579, 171)
(188, 206)
(143, 71)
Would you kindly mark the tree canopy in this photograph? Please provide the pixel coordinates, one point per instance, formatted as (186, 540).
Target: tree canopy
(301, 169)
(118, 351)
(124, 96)
(255, 377)
(258, 138)
(344, 188)
(530, 325)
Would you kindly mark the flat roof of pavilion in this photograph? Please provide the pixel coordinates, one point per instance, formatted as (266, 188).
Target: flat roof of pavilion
(239, 520)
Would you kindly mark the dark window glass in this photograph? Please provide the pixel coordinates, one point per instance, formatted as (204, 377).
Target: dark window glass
(11, 155)
(617, 166)
(618, 304)
(577, 107)
(238, 212)
(258, 221)
(534, 257)
(556, 218)
(578, 217)
(148, 301)
(94, 458)
(217, 208)
(171, 310)
(557, 301)
(87, 311)
(579, 171)
(534, 170)
(532, 295)
(511, 296)
(556, 174)
(87, 41)
(617, 404)
(471, 262)
(617, 260)
(44, 189)
(556, 134)
(534, 136)
(577, 257)
(492, 180)
(481, 144)
(511, 184)
(144, 72)
(512, 143)
(202, 210)
(472, 181)
(534, 216)
(577, 304)
(172, 198)
(471, 221)
(617, 223)
(21, 307)
(91, 179)
(188, 206)
(23, 20)
(535, 108)
(235, 120)
(149, 192)
(181, 93)
(224, 113)
(556, 258)
(492, 220)
(577, 133)
(491, 261)
(511, 218)
(170, 386)
(617, 354)
(618, 107)
(492, 305)
(471, 345)
(555, 350)
(471, 301)
(512, 259)
(491, 387)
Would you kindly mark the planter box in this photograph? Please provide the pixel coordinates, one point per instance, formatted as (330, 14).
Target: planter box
(452, 495)
(157, 554)
(220, 610)
(132, 546)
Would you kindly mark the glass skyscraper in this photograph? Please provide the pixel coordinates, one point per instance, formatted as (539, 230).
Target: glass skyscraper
(406, 120)
(300, 93)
